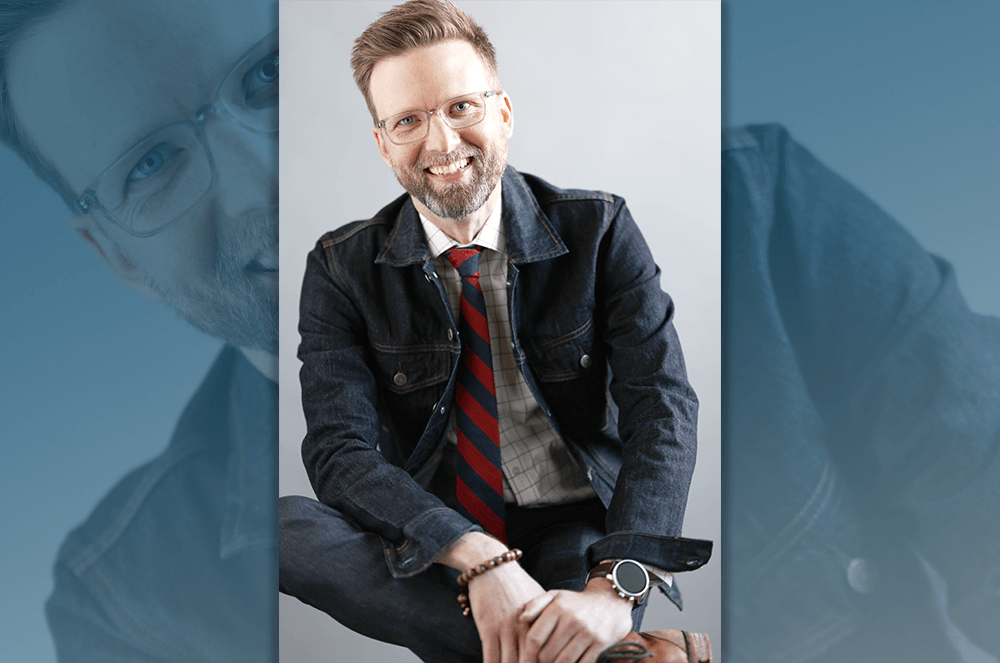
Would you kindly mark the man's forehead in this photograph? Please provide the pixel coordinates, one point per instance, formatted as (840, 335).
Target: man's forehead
(424, 77)
(99, 75)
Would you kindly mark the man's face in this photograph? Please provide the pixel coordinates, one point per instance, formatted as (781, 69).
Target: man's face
(102, 74)
(452, 171)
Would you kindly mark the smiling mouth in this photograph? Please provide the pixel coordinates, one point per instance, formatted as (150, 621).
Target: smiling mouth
(450, 169)
(264, 262)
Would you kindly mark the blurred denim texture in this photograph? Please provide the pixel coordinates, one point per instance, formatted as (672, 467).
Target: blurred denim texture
(862, 419)
(862, 423)
(122, 100)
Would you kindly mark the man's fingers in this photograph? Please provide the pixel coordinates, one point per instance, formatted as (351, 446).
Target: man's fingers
(534, 607)
(491, 648)
(536, 637)
(590, 656)
(508, 647)
(565, 630)
(575, 648)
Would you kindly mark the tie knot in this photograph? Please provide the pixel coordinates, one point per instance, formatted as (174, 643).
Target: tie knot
(466, 261)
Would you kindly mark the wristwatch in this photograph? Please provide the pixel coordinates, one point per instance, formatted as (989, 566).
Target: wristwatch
(631, 579)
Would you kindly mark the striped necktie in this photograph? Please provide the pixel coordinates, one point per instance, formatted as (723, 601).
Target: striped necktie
(479, 481)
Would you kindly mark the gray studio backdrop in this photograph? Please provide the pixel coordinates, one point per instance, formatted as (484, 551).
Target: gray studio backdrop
(618, 96)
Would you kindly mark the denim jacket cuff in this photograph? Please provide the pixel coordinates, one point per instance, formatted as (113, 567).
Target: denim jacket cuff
(426, 537)
(670, 553)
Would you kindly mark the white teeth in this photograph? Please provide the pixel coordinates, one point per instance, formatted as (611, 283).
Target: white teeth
(450, 168)
(268, 258)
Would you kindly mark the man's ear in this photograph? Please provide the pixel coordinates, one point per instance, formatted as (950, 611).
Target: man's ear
(381, 146)
(108, 251)
(507, 114)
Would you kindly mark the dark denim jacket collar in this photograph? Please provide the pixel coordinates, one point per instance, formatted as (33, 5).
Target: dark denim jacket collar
(530, 235)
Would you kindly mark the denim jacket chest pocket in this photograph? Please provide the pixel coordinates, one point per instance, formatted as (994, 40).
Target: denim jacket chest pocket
(571, 371)
(412, 379)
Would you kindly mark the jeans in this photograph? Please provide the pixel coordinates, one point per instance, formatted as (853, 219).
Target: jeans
(328, 562)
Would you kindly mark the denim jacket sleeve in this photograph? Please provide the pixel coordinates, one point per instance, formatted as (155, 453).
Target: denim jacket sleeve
(342, 460)
(657, 407)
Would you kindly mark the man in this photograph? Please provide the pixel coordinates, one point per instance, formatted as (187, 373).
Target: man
(386, 389)
(157, 123)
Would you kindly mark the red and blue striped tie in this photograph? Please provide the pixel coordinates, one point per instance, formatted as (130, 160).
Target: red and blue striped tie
(479, 483)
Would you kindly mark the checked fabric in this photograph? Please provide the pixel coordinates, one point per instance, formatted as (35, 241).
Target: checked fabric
(479, 480)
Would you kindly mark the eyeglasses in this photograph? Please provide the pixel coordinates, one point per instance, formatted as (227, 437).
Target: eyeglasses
(457, 113)
(157, 180)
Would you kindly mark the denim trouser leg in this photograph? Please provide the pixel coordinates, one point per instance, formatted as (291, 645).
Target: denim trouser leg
(327, 562)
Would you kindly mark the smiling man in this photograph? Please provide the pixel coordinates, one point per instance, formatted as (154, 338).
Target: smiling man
(157, 124)
(457, 349)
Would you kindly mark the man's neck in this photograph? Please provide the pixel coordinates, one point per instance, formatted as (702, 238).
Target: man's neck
(263, 361)
(462, 230)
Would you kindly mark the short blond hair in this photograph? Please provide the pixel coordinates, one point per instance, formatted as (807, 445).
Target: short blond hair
(416, 24)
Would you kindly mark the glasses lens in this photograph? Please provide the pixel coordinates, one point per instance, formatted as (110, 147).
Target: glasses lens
(250, 91)
(407, 127)
(157, 180)
(464, 111)
(457, 113)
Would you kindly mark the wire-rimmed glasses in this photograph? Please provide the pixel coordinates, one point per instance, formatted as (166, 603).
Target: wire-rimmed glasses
(457, 113)
(166, 173)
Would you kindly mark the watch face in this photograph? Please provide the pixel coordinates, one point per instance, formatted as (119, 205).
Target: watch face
(630, 577)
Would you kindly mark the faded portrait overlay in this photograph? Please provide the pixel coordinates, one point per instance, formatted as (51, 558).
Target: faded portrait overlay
(863, 352)
(615, 97)
(141, 410)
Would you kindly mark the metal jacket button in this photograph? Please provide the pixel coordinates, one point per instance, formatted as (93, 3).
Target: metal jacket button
(399, 379)
(585, 361)
(451, 335)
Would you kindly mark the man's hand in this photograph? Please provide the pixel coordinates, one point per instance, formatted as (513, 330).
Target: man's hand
(496, 597)
(567, 627)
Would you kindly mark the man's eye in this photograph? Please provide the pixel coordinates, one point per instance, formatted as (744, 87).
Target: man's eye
(260, 83)
(151, 163)
(406, 122)
(461, 106)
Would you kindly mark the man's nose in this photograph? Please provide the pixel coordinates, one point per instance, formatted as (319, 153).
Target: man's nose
(246, 166)
(440, 137)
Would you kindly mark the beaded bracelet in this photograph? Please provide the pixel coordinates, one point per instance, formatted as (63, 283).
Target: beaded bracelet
(463, 580)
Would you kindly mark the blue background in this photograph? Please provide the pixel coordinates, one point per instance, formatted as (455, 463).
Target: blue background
(899, 98)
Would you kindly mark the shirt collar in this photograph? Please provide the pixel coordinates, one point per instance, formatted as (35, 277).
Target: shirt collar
(491, 236)
(529, 235)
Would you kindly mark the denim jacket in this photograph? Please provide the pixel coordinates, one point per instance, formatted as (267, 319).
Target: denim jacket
(178, 561)
(379, 356)
(862, 424)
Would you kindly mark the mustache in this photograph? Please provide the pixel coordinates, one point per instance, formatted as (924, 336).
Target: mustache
(437, 160)
(257, 231)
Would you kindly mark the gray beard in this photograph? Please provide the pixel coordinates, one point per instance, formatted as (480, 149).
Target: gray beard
(458, 200)
(242, 312)
(232, 305)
